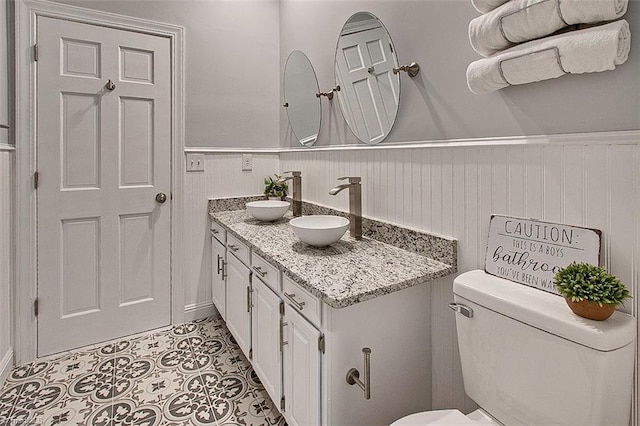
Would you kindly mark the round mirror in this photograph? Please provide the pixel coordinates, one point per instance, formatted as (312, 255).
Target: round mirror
(369, 90)
(303, 106)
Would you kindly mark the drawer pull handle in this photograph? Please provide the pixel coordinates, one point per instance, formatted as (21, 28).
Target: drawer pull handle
(291, 297)
(215, 231)
(283, 324)
(249, 297)
(260, 271)
(233, 248)
(220, 266)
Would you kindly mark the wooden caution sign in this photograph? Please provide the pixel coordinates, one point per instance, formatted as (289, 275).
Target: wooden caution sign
(530, 252)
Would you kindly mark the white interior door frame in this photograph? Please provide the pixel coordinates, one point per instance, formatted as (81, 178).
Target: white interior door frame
(27, 12)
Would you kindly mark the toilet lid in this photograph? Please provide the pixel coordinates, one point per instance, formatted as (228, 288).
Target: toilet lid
(438, 417)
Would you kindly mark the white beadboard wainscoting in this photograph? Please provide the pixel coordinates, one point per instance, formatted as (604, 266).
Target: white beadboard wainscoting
(454, 190)
(6, 258)
(223, 177)
(588, 180)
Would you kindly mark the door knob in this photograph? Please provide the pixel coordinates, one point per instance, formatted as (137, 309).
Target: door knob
(161, 197)
(110, 85)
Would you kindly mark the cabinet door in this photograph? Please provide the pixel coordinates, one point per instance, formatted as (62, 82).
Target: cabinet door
(218, 282)
(238, 309)
(301, 371)
(265, 335)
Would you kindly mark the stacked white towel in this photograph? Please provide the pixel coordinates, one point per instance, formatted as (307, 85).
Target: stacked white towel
(518, 21)
(593, 49)
(484, 6)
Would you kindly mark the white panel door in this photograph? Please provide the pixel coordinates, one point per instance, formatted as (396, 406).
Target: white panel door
(366, 75)
(104, 154)
(265, 335)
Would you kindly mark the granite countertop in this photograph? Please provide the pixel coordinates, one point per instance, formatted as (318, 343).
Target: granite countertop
(342, 274)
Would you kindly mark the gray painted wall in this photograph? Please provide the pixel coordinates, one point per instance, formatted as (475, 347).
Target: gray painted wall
(4, 70)
(236, 51)
(232, 65)
(437, 103)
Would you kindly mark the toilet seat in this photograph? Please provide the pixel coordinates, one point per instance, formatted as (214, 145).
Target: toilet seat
(438, 417)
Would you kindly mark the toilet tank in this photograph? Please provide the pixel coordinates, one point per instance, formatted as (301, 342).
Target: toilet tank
(528, 360)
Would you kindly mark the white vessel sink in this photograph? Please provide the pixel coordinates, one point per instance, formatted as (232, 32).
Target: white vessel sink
(319, 230)
(267, 210)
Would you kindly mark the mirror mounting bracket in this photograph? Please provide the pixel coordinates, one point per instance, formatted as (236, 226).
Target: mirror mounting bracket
(328, 94)
(412, 69)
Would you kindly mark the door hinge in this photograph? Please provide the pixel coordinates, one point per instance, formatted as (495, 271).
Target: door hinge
(36, 180)
(391, 47)
(35, 52)
(281, 307)
(251, 353)
(321, 343)
(282, 403)
(250, 277)
(36, 307)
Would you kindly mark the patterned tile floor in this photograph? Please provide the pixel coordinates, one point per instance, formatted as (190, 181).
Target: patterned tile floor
(190, 374)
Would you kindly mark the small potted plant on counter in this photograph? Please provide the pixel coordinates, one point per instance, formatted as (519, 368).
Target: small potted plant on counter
(590, 291)
(275, 187)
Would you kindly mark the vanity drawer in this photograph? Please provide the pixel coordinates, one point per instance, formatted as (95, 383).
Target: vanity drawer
(306, 303)
(266, 271)
(238, 248)
(219, 232)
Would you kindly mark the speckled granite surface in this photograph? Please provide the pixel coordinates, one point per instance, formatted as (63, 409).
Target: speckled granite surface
(438, 247)
(235, 203)
(443, 249)
(342, 274)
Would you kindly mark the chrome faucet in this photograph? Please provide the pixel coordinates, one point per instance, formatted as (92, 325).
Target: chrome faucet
(355, 204)
(296, 176)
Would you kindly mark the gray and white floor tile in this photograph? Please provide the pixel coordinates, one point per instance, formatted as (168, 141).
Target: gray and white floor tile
(190, 374)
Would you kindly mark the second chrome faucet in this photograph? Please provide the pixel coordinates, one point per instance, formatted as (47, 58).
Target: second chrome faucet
(355, 204)
(296, 176)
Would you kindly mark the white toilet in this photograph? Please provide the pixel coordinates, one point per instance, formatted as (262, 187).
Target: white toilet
(528, 360)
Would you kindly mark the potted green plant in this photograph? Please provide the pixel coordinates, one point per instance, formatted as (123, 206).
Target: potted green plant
(590, 291)
(275, 187)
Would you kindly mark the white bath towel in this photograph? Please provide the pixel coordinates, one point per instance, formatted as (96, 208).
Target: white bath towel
(518, 21)
(484, 6)
(593, 49)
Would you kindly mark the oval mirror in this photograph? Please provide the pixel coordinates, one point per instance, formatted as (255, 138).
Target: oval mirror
(369, 90)
(303, 106)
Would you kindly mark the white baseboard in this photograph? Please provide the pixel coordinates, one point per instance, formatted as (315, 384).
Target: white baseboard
(6, 364)
(198, 310)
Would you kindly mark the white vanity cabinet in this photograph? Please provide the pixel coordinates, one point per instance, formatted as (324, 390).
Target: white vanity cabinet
(238, 296)
(303, 344)
(323, 343)
(265, 336)
(301, 370)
